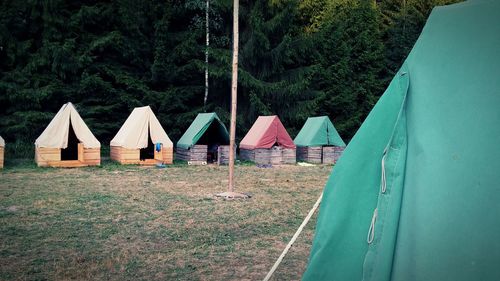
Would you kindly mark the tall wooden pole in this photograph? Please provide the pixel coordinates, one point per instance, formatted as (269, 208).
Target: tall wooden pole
(230, 194)
(234, 94)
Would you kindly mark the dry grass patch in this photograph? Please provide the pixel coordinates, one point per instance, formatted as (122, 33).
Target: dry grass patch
(135, 223)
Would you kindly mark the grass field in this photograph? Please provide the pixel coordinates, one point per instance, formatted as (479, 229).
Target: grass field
(132, 223)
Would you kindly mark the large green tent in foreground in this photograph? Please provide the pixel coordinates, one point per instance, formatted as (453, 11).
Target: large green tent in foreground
(416, 195)
(318, 131)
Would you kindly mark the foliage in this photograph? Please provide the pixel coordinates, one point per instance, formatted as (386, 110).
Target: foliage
(298, 58)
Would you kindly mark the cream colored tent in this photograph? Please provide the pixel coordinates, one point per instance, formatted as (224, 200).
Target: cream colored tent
(67, 132)
(2, 145)
(134, 135)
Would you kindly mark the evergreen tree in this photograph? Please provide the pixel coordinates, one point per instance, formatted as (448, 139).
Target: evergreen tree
(352, 64)
(402, 22)
(297, 58)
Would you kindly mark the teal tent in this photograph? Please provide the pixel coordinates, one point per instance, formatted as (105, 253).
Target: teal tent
(206, 128)
(318, 131)
(416, 195)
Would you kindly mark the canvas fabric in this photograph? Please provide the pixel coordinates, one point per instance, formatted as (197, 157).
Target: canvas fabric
(199, 126)
(416, 193)
(265, 132)
(2, 142)
(134, 132)
(56, 133)
(318, 131)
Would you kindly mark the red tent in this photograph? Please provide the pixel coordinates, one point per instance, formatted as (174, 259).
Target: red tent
(265, 132)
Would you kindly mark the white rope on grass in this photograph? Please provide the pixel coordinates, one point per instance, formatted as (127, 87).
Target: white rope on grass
(295, 236)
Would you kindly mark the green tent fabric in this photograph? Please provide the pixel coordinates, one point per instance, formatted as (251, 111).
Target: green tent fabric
(200, 125)
(318, 131)
(416, 194)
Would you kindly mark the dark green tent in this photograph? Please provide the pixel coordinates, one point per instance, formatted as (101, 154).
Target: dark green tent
(205, 126)
(416, 195)
(318, 131)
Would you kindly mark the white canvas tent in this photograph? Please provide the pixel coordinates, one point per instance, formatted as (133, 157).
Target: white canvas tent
(134, 136)
(134, 132)
(56, 133)
(55, 138)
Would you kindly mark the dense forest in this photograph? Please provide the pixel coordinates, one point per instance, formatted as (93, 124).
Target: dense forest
(298, 58)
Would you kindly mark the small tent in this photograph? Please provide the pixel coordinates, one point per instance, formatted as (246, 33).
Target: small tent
(142, 140)
(67, 142)
(416, 194)
(2, 151)
(268, 142)
(205, 141)
(318, 141)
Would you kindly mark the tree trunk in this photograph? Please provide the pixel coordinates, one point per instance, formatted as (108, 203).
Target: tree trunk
(207, 31)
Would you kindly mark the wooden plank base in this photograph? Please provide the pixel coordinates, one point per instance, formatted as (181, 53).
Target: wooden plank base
(51, 157)
(319, 154)
(264, 156)
(127, 156)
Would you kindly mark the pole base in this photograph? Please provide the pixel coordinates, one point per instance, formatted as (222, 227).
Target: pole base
(232, 195)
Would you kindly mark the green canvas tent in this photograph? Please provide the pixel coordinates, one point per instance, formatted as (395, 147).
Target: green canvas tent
(319, 142)
(416, 195)
(318, 131)
(206, 140)
(200, 126)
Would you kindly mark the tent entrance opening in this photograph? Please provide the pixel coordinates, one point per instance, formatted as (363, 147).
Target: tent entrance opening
(149, 151)
(213, 138)
(70, 152)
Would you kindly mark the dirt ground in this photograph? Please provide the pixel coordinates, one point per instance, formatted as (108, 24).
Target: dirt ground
(133, 223)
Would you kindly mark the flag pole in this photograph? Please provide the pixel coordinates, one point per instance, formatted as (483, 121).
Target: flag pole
(234, 96)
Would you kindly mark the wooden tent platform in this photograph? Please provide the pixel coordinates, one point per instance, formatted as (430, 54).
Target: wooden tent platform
(319, 154)
(51, 157)
(132, 156)
(198, 155)
(275, 156)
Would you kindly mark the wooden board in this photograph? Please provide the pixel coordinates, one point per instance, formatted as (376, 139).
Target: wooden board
(247, 154)
(128, 156)
(223, 155)
(289, 156)
(51, 157)
(264, 156)
(328, 155)
(167, 155)
(45, 155)
(2, 152)
(196, 154)
(276, 156)
(338, 151)
(195, 163)
(310, 154)
(66, 164)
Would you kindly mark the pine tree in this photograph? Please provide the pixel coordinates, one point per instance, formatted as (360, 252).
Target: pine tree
(352, 64)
